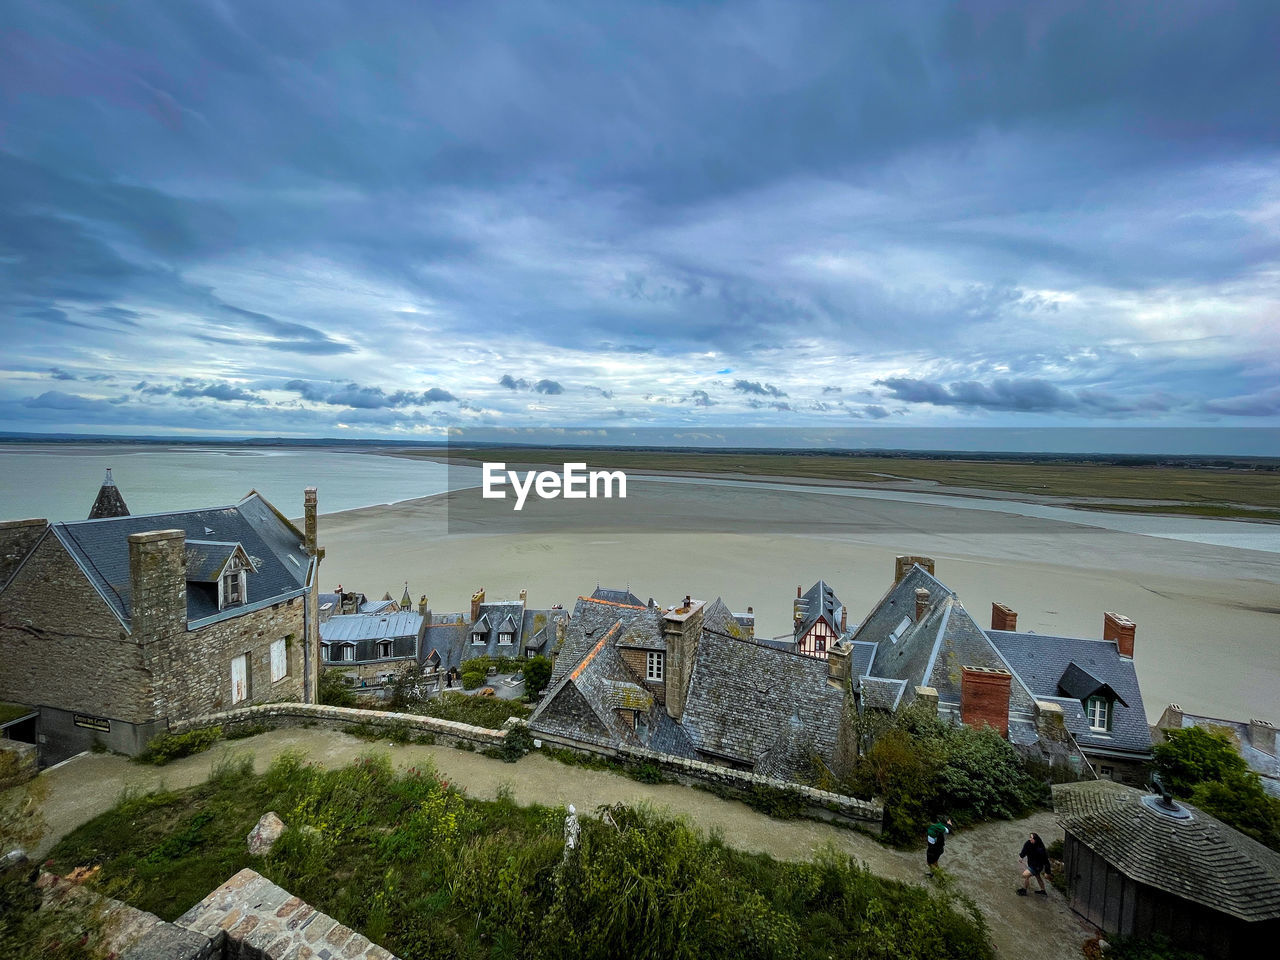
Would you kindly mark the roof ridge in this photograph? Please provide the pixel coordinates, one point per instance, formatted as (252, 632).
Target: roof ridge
(613, 603)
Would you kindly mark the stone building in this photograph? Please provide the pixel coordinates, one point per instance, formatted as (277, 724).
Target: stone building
(112, 628)
(1254, 740)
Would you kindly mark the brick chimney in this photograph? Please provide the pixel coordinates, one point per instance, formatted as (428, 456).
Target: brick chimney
(157, 584)
(839, 664)
(984, 698)
(681, 629)
(1262, 736)
(1120, 629)
(310, 521)
(477, 598)
(902, 566)
(844, 620)
(922, 603)
(799, 591)
(1002, 618)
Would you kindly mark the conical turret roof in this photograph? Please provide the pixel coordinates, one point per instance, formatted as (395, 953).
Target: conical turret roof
(109, 503)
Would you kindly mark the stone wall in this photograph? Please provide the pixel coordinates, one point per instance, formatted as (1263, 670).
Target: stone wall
(62, 646)
(250, 918)
(193, 668)
(447, 732)
(820, 804)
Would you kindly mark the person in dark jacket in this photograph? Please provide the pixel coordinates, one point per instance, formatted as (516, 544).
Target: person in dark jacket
(1035, 858)
(936, 840)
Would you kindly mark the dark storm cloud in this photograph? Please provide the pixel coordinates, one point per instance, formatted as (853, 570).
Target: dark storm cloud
(745, 188)
(361, 397)
(1037, 396)
(755, 387)
(701, 398)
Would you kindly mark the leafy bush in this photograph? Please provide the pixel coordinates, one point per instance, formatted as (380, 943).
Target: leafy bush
(172, 746)
(333, 691)
(515, 745)
(488, 712)
(412, 862)
(473, 677)
(1203, 766)
(537, 674)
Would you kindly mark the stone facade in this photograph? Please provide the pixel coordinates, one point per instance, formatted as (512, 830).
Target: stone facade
(109, 659)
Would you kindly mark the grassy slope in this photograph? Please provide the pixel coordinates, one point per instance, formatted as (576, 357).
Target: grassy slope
(417, 867)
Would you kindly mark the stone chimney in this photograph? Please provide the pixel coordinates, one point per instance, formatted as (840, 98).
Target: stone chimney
(922, 603)
(681, 629)
(927, 698)
(984, 698)
(109, 503)
(310, 522)
(477, 598)
(157, 584)
(1120, 629)
(1002, 618)
(424, 610)
(902, 566)
(839, 664)
(524, 596)
(1051, 724)
(1262, 736)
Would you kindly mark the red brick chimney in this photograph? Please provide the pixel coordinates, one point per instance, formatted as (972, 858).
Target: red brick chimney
(1120, 629)
(1002, 618)
(844, 619)
(922, 603)
(984, 698)
(799, 592)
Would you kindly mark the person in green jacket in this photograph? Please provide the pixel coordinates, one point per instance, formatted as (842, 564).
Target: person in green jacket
(936, 839)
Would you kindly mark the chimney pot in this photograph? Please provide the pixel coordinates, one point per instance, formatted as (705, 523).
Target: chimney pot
(922, 603)
(750, 610)
(1003, 618)
(1119, 629)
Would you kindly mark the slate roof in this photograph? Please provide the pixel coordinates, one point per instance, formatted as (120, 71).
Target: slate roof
(879, 693)
(359, 626)
(377, 606)
(206, 559)
(276, 548)
(1199, 858)
(447, 636)
(616, 596)
(1040, 662)
(591, 616)
(109, 503)
(819, 602)
(742, 696)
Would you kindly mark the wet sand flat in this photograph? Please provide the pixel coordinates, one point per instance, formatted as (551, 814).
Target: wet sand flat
(1208, 616)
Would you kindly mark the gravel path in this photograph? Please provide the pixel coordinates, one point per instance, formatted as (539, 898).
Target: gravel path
(982, 862)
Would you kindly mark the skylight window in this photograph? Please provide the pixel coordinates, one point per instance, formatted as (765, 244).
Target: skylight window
(900, 629)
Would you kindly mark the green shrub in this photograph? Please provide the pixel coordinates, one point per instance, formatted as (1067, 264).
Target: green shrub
(332, 691)
(487, 712)
(243, 730)
(473, 677)
(537, 674)
(172, 746)
(514, 745)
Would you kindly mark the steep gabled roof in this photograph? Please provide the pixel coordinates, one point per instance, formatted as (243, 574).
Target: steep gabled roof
(206, 559)
(1040, 662)
(101, 549)
(625, 597)
(1196, 858)
(819, 602)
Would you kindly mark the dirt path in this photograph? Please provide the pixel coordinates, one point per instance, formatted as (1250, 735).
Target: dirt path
(982, 862)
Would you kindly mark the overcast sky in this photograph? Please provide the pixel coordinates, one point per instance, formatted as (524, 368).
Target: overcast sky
(384, 219)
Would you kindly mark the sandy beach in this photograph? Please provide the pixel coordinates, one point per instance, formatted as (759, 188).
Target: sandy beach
(1208, 616)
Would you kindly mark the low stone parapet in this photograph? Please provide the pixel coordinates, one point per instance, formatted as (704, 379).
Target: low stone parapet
(250, 918)
(410, 725)
(817, 804)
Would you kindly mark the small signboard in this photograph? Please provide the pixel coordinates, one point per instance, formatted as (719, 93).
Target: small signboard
(100, 724)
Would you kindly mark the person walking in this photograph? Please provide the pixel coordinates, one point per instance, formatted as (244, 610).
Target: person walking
(936, 837)
(1035, 857)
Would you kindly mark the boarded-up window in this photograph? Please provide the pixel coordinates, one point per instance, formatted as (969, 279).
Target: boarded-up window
(279, 660)
(240, 678)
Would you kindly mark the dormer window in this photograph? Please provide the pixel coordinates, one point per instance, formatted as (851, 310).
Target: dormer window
(477, 637)
(347, 651)
(506, 638)
(653, 666)
(232, 588)
(384, 649)
(1098, 710)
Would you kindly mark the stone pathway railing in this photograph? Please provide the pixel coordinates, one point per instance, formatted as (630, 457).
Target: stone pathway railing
(385, 722)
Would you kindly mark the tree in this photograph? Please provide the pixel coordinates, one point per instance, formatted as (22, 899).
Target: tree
(537, 674)
(1195, 755)
(1202, 766)
(333, 691)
